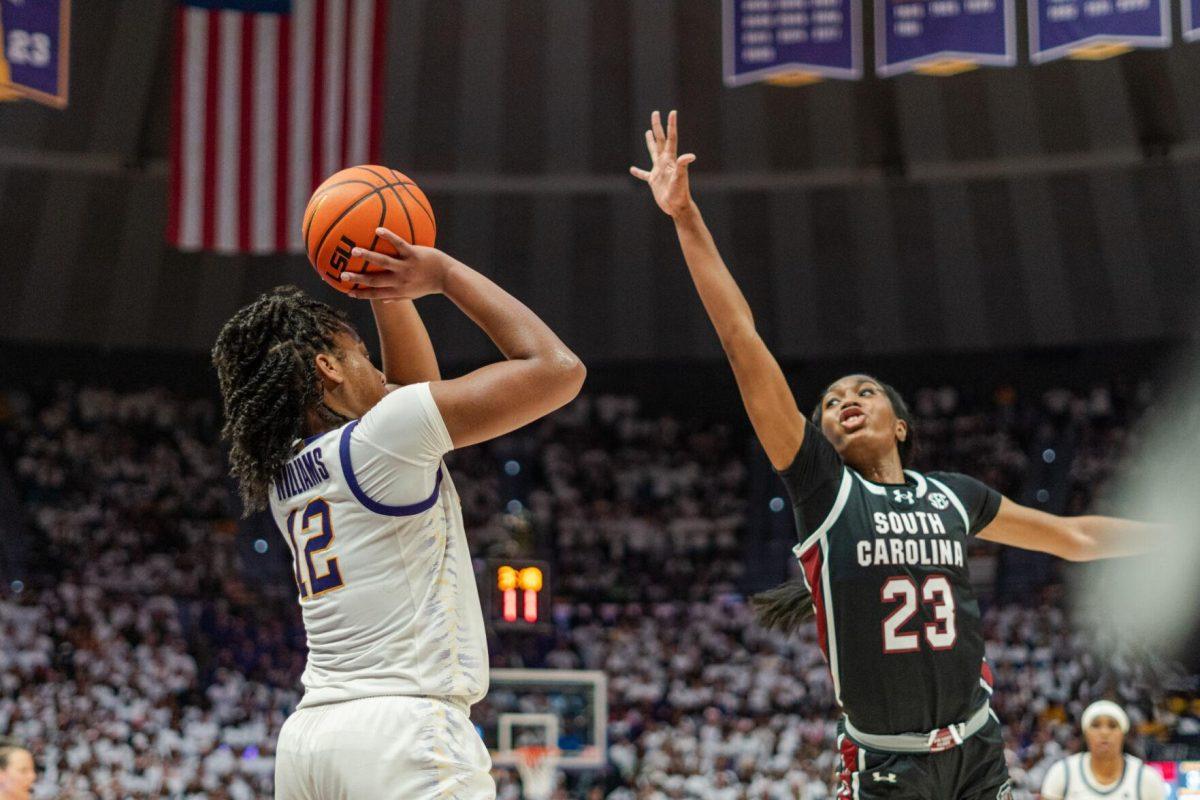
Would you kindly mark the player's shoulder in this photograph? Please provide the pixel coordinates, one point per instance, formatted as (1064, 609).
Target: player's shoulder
(946, 477)
(1072, 769)
(1142, 771)
(960, 485)
(403, 409)
(409, 396)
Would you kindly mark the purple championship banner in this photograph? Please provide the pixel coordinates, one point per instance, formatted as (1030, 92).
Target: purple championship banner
(797, 41)
(36, 37)
(1191, 20)
(943, 37)
(1094, 29)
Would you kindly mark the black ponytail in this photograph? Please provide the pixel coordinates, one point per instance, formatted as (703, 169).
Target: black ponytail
(784, 608)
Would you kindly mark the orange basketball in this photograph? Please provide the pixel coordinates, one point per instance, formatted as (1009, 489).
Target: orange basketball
(345, 210)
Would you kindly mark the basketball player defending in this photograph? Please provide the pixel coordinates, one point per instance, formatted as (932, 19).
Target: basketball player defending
(1105, 771)
(882, 548)
(349, 461)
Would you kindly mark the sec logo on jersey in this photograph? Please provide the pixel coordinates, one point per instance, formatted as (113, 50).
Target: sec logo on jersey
(939, 501)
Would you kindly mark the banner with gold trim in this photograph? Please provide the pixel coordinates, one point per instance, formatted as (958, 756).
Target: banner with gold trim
(943, 37)
(792, 42)
(1095, 29)
(36, 49)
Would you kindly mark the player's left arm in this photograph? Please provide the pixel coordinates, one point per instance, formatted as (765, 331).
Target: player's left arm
(1084, 538)
(408, 355)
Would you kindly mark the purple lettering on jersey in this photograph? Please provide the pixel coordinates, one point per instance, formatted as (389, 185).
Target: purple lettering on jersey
(301, 474)
(310, 471)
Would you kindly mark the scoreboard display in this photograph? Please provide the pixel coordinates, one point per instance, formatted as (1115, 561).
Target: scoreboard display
(519, 593)
(1182, 778)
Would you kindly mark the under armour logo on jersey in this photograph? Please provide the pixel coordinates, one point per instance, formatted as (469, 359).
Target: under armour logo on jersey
(904, 496)
(888, 778)
(939, 501)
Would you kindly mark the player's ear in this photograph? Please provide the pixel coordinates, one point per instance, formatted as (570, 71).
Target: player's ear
(330, 370)
(901, 430)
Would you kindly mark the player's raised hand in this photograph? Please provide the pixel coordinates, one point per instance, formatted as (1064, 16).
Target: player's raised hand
(413, 272)
(668, 175)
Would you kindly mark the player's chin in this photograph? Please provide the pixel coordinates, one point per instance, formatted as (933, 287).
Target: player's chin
(862, 445)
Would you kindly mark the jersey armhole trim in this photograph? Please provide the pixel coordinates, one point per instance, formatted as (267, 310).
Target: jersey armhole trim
(1138, 780)
(375, 505)
(839, 504)
(1066, 779)
(958, 506)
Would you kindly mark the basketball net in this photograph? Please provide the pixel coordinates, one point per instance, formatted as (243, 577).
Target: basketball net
(537, 766)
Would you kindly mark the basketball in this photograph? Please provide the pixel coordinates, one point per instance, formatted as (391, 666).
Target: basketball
(345, 210)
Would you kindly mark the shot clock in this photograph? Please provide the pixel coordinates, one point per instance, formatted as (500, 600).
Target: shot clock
(519, 592)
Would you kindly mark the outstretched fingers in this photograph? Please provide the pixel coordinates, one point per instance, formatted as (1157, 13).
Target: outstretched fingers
(640, 174)
(672, 134)
(660, 137)
(652, 146)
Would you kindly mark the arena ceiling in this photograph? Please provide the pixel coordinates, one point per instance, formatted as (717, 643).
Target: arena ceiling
(1032, 206)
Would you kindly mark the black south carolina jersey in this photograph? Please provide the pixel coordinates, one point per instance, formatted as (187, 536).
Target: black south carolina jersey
(887, 567)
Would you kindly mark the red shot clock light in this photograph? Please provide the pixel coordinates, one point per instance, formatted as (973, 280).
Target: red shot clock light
(520, 592)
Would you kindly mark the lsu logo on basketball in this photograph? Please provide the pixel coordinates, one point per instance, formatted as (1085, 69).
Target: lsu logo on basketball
(341, 255)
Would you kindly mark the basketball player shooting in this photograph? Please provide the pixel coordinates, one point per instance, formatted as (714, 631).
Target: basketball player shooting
(883, 549)
(349, 461)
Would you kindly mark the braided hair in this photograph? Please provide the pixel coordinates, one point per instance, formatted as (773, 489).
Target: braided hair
(265, 358)
(789, 605)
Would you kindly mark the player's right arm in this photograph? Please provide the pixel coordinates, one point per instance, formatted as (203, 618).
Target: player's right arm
(769, 401)
(539, 373)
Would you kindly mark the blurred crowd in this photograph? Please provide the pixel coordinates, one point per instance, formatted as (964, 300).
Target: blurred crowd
(149, 657)
(704, 703)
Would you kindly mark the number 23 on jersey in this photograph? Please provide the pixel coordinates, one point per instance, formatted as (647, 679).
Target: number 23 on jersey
(310, 530)
(935, 591)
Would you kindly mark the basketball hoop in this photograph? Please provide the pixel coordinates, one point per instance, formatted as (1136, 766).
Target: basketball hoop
(538, 766)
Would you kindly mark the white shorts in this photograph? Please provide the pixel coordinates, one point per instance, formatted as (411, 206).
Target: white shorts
(385, 748)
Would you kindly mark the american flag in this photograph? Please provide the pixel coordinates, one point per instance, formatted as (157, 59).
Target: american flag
(271, 96)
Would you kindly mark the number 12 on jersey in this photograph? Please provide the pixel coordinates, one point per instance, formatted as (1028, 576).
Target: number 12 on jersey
(941, 634)
(313, 527)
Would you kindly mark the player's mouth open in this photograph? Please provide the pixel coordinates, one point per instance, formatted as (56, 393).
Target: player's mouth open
(852, 418)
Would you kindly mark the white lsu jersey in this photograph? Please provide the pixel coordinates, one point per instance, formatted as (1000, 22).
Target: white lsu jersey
(379, 552)
(1072, 779)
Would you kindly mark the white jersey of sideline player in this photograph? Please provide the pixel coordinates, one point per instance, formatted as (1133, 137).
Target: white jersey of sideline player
(380, 557)
(1072, 779)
